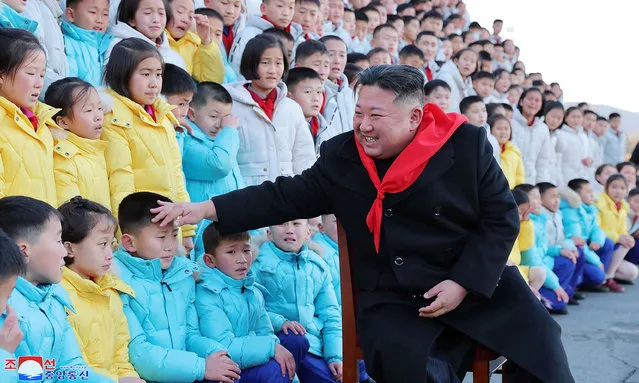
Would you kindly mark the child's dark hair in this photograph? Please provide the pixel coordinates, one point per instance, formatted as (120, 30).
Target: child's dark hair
(602, 118)
(552, 105)
(613, 178)
(411, 50)
(602, 167)
(577, 183)
(492, 120)
(369, 8)
(520, 197)
(381, 27)
(24, 218)
(433, 15)
(526, 188)
(622, 165)
(176, 81)
(614, 115)
(316, 2)
(507, 106)
(128, 8)
(402, 7)
(17, 45)
(353, 58)
(588, 111)
(328, 38)
(492, 107)
(482, 75)
(280, 34)
(360, 15)
(525, 93)
(352, 71)
(485, 56)
(432, 85)
(12, 261)
(79, 217)
(309, 48)
(422, 34)
(207, 91)
(135, 211)
(125, 58)
(375, 51)
(458, 55)
(633, 193)
(347, 9)
(208, 12)
(64, 93)
(465, 104)
(297, 75)
(211, 238)
(253, 52)
(545, 186)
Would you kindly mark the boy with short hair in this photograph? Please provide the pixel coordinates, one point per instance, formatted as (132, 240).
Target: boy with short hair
(379, 56)
(411, 55)
(437, 92)
(305, 18)
(178, 88)
(348, 23)
(433, 21)
(474, 108)
(339, 21)
(85, 39)
(386, 37)
(429, 44)
(38, 298)
(483, 85)
(616, 149)
(218, 30)
(340, 100)
(285, 263)
(166, 345)
(287, 41)
(231, 309)
(360, 43)
(411, 30)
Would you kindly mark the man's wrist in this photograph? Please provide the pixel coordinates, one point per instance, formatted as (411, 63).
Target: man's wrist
(211, 212)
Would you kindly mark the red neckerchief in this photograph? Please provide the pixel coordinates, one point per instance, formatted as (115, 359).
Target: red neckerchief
(634, 220)
(149, 109)
(339, 81)
(323, 102)
(32, 118)
(429, 73)
(266, 104)
(287, 28)
(314, 124)
(503, 148)
(531, 123)
(227, 38)
(433, 132)
(618, 205)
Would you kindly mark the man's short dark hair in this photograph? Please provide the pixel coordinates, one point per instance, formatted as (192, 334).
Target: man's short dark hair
(24, 218)
(297, 75)
(498, 21)
(308, 48)
(211, 238)
(577, 183)
(207, 91)
(432, 85)
(465, 104)
(411, 50)
(633, 193)
(406, 82)
(12, 263)
(134, 212)
(544, 187)
(176, 80)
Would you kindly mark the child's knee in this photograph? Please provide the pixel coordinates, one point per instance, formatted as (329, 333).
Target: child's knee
(293, 341)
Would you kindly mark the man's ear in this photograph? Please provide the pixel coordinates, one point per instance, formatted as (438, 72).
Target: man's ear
(416, 115)
(128, 242)
(209, 260)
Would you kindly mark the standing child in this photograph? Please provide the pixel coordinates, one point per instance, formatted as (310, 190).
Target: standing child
(216, 24)
(340, 99)
(510, 157)
(336, 24)
(457, 74)
(300, 298)
(178, 89)
(573, 147)
(617, 139)
(88, 230)
(437, 92)
(429, 45)
(41, 303)
(85, 39)
(502, 84)
(305, 19)
(474, 109)
(275, 139)
(231, 309)
(613, 218)
(233, 22)
(590, 125)
(142, 151)
(166, 345)
(553, 118)
(79, 164)
(202, 57)
(484, 85)
(26, 143)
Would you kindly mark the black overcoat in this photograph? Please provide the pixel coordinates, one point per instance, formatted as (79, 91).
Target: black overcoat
(457, 221)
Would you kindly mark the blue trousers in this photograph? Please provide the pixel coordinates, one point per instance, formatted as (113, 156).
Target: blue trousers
(593, 276)
(564, 269)
(633, 254)
(363, 375)
(270, 372)
(297, 345)
(310, 368)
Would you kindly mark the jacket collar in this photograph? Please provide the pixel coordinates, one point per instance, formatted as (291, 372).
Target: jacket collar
(40, 294)
(517, 116)
(576, 130)
(107, 282)
(189, 37)
(95, 38)
(610, 204)
(258, 22)
(242, 95)
(43, 112)
(74, 144)
(180, 268)
(333, 88)
(321, 237)
(287, 256)
(125, 31)
(215, 280)
(452, 69)
(198, 133)
(161, 107)
(9, 18)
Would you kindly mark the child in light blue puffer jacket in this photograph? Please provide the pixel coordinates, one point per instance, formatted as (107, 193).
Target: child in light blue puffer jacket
(13, 18)
(327, 238)
(232, 312)
(85, 39)
(300, 297)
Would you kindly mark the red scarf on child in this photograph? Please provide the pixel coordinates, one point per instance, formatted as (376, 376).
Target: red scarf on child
(433, 132)
(323, 102)
(286, 28)
(429, 73)
(267, 104)
(314, 124)
(227, 38)
(149, 109)
(32, 118)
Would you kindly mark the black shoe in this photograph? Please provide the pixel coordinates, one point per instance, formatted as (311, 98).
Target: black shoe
(595, 289)
(622, 282)
(573, 302)
(558, 312)
(578, 296)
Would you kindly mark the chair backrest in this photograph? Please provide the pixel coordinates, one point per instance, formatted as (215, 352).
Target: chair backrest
(351, 350)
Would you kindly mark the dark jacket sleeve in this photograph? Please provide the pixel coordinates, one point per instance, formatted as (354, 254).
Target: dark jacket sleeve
(271, 203)
(484, 257)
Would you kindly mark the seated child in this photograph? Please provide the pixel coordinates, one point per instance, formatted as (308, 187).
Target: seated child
(231, 310)
(88, 230)
(166, 345)
(379, 56)
(483, 85)
(563, 257)
(327, 237)
(220, 33)
(284, 265)
(633, 224)
(411, 55)
(41, 303)
(613, 216)
(474, 109)
(580, 224)
(79, 165)
(178, 89)
(12, 266)
(437, 92)
(525, 243)
(85, 39)
(510, 162)
(11, 16)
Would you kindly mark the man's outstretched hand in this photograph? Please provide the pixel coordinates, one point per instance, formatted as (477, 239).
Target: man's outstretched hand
(183, 213)
(449, 294)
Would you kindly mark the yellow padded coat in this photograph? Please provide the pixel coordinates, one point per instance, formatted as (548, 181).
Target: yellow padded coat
(99, 323)
(612, 221)
(26, 155)
(525, 240)
(142, 154)
(512, 165)
(203, 62)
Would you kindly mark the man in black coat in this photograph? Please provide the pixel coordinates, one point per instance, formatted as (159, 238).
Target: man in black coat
(430, 221)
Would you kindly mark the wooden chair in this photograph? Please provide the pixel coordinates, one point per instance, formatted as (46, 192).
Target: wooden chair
(485, 362)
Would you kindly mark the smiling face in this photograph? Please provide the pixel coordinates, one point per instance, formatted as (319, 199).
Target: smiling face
(554, 118)
(92, 257)
(145, 83)
(531, 104)
(290, 236)
(617, 190)
(89, 14)
(232, 257)
(209, 117)
(150, 19)
(182, 15)
(574, 119)
(25, 86)
(501, 130)
(86, 117)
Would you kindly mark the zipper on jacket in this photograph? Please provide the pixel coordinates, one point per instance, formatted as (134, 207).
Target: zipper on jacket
(243, 289)
(298, 262)
(167, 286)
(166, 312)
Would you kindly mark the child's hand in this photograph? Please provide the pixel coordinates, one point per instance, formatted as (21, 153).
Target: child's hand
(187, 242)
(595, 246)
(131, 380)
(220, 368)
(626, 241)
(231, 121)
(578, 241)
(203, 29)
(336, 370)
(285, 359)
(10, 333)
(562, 295)
(587, 161)
(568, 254)
(294, 327)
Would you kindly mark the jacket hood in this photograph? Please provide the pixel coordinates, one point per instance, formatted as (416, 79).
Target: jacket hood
(258, 22)
(180, 268)
(570, 197)
(41, 293)
(241, 94)
(108, 281)
(95, 38)
(214, 280)
(451, 69)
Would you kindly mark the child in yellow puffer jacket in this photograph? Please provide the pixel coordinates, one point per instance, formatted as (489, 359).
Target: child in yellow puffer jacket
(26, 142)
(142, 152)
(201, 54)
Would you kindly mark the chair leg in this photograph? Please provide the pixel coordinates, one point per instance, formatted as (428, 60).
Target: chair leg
(351, 375)
(481, 371)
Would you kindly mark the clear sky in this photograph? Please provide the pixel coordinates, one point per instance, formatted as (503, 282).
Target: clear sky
(591, 47)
